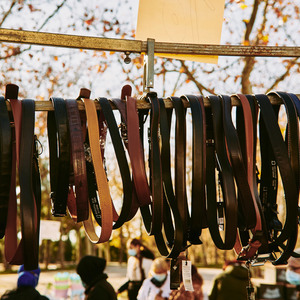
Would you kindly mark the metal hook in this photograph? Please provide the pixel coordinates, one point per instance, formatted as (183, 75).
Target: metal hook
(148, 79)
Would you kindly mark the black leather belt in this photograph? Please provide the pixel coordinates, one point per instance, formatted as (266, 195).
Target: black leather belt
(59, 153)
(216, 158)
(30, 189)
(272, 137)
(125, 213)
(198, 205)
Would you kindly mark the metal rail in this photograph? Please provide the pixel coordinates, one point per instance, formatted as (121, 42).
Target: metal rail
(137, 46)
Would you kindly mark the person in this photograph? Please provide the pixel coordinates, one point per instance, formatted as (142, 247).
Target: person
(293, 272)
(90, 269)
(232, 283)
(138, 267)
(26, 286)
(157, 286)
(197, 294)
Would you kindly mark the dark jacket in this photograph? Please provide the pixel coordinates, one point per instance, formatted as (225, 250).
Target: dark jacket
(231, 284)
(100, 288)
(24, 293)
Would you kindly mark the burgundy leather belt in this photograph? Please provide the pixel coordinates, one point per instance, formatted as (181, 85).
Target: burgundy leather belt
(78, 176)
(5, 164)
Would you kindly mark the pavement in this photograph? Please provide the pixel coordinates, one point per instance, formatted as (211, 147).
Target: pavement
(116, 273)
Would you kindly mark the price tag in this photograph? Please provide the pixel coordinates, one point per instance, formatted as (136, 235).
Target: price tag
(187, 275)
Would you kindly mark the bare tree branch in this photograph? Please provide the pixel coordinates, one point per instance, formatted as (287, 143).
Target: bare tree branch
(52, 15)
(284, 75)
(249, 25)
(192, 78)
(8, 12)
(250, 61)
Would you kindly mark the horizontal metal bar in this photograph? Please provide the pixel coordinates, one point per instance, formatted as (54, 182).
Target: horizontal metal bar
(141, 104)
(137, 46)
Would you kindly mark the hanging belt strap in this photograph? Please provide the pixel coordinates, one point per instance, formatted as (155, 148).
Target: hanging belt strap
(78, 166)
(173, 232)
(271, 136)
(198, 204)
(245, 130)
(216, 157)
(122, 162)
(136, 153)
(29, 187)
(101, 180)
(13, 251)
(5, 164)
(180, 164)
(59, 153)
(239, 170)
(121, 107)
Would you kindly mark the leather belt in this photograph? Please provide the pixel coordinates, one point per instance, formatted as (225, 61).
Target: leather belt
(216, 157)
(198, 205)
(78, 175)
(13, 251)
(5, 164)
(271, 136)
(173, 232)
(180, 165)
(30, 189)
(101, 180)
(59, 153)
(122, 163)
(245, 197)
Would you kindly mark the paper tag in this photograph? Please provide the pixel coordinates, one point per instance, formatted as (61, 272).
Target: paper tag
(181, 21)
(187, 275)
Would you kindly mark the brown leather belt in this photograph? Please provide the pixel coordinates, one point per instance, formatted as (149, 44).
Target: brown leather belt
(101, 180)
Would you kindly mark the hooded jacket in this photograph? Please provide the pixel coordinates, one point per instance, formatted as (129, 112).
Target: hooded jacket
(231, 284)
(24, 293)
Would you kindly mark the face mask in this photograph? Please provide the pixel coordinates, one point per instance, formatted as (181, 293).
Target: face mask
(159, 277)
(293, 277)
(132, 252)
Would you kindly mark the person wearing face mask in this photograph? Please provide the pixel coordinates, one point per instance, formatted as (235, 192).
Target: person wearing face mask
(157, 286)
(293, 272)
(138, 267)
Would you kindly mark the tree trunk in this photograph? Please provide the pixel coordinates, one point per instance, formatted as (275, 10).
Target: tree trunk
(61, 252)
(122, 246)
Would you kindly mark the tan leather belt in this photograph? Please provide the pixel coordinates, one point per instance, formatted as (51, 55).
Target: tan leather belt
(101, 180)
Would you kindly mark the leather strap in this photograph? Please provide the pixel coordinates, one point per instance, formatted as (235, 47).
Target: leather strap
(13, 251)
(180, 164)
(59, 153)
(101, 180)
(5, 164)
(234, 151)
(30, 193)
(173, 232)
(216, 158)
(274, 139)
(122, 162)
(78, 166)
(198, 205)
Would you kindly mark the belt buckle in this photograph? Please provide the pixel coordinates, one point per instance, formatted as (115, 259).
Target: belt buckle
(261, 259)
